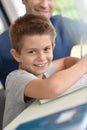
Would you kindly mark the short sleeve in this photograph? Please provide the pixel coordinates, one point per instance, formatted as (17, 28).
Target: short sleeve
(16, 82)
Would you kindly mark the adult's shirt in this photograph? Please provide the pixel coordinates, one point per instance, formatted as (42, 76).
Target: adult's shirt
(69, 33)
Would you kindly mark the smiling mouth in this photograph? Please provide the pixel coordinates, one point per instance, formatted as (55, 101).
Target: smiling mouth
(41, 65)
(42, 11)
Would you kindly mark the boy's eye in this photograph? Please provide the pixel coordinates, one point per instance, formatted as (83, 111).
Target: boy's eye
(47, 49)
(32, 52)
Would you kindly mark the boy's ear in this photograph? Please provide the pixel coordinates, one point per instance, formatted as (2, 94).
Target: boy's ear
(53, 46)
(16, 55)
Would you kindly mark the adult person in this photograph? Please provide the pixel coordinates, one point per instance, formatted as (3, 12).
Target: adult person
(69, 33)
(33, 41)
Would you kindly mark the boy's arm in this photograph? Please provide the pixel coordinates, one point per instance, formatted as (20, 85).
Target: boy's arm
(69, 61)
(65, 63)
(57, 83)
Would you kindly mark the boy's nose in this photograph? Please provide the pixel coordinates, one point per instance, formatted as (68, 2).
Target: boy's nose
(41, 56)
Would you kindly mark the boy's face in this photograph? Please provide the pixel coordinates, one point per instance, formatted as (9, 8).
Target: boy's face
(40, 7)
(36, 54)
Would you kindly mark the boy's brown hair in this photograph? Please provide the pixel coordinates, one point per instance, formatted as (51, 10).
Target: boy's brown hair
(30, 25)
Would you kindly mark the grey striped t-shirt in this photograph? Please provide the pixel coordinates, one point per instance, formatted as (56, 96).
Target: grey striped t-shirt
(15, 85)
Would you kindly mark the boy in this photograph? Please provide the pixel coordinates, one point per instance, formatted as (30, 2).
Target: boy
(69, 33)
(33, 40)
